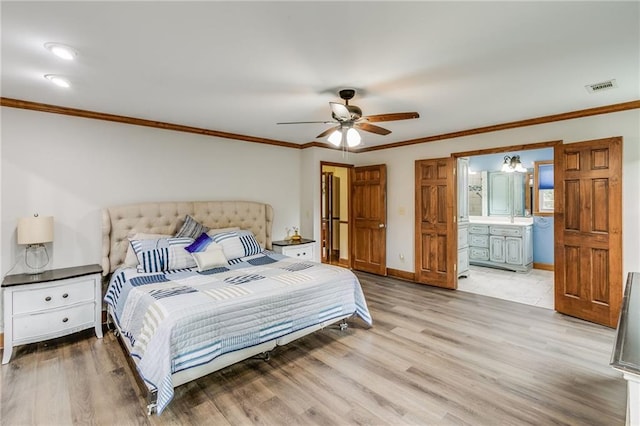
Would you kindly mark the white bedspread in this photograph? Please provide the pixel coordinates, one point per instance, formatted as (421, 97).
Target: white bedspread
(180, 319)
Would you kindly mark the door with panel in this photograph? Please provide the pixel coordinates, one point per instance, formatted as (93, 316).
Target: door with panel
(436, 227)
(369, 213)
(588, 230)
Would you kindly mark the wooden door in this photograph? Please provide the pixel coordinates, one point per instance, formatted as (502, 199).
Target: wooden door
(436, 226)
(588, 230)
(369, 210)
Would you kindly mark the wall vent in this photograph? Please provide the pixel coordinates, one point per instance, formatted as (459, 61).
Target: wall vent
(598, 87)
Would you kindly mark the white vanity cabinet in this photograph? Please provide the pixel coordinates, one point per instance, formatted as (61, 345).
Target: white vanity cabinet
(501, 245)
(463, 216)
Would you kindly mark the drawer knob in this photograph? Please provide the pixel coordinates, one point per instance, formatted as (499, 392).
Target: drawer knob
(64, 296)
(298, 254)
(65, 319)
(304, 253)
(48, 298)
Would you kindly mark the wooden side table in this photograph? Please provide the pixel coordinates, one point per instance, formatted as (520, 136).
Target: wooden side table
(51, 304)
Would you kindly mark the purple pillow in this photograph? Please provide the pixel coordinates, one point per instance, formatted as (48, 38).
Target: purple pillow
(200, 244)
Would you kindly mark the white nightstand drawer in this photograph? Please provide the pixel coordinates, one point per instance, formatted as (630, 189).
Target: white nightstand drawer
(305, 252)
(53, 323)
(53, 296)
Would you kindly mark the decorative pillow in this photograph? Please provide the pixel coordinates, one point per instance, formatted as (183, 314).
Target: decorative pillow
(237, 244)
(200, 244)
(212, 257)
(131, 260)
(191, 228)
(212, 232)
(163, 254)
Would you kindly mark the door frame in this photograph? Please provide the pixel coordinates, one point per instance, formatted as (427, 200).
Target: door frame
(350, 227)
(525, 147)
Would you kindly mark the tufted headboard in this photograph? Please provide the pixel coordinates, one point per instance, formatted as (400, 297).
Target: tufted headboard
(167, 217)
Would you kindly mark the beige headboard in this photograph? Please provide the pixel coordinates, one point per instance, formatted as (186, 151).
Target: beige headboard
(167, 218)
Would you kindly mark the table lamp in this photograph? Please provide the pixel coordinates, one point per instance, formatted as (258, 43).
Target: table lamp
(34, 232)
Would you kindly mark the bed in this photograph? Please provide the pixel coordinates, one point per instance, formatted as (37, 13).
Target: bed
(181, 315)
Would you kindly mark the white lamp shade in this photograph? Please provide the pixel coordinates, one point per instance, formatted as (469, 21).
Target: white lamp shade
(336, 137)
(353, 137)
(35, 230)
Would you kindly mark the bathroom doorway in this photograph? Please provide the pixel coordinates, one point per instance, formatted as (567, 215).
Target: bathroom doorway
(335, 203)
(502, 197)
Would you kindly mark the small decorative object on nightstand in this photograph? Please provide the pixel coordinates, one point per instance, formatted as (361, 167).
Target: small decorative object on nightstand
(49, 305)
(296, 237)
(300, 249)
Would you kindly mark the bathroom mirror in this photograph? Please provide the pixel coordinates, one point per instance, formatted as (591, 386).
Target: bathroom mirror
(499, 194)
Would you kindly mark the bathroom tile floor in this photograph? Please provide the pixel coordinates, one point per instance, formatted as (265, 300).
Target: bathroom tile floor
(531, 288)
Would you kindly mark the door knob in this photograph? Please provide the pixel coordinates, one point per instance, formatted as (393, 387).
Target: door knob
(381, 225)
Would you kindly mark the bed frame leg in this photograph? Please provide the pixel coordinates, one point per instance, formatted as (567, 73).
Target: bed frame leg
(265, 356)
(343, 325)
(152, 399)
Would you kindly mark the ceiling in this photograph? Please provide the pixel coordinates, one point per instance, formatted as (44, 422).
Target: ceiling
(241, 67)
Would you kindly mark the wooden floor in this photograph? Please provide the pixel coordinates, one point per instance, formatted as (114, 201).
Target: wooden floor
(432, 357)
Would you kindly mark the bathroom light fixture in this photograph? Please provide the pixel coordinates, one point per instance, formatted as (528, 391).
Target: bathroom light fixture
(58, 80)
(61, 50)
(513, 164)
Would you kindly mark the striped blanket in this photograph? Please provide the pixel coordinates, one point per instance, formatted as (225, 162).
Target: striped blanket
(180, 319)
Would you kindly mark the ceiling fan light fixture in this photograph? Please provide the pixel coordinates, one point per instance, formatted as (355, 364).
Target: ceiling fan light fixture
(353, 137)
(336, 137)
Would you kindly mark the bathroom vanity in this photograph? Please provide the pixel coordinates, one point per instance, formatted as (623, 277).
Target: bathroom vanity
(500, 243)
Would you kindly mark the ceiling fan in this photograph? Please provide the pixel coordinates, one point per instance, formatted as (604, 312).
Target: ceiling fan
(349, 118)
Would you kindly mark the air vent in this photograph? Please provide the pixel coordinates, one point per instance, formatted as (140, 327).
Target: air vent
(598, 87)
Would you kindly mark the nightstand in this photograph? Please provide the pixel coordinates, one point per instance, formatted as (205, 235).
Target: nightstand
(51, 304)
(302, 249)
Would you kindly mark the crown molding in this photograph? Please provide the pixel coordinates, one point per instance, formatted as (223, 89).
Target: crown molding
(55, 109)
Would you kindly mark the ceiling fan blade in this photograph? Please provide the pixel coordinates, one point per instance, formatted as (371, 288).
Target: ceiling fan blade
(340, 112)
(306, 122)
(390, 117)
(327, 132)
(371, 128)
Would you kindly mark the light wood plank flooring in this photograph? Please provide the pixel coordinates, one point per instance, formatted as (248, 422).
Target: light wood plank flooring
(432, 357)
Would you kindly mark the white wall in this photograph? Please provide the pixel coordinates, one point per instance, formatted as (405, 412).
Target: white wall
(71, 168)
(400, 175)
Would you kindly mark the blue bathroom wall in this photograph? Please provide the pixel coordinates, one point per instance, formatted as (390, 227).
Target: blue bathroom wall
(543, 239)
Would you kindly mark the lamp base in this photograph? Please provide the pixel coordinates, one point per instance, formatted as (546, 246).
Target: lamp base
(36, 258)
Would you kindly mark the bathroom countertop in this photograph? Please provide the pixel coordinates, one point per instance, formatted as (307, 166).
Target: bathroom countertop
(499, 220)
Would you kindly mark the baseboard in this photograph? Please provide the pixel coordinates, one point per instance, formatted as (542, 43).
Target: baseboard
(1, 340)
(544, 266)
(403, 275)
(343, 262)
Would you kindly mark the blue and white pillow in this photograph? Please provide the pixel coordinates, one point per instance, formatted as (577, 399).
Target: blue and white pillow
(163, 254)
(191, 228)
(236, 244)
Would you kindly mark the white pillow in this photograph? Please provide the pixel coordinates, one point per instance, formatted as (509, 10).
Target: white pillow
(212, 257)
(237, 244)
(131, 260)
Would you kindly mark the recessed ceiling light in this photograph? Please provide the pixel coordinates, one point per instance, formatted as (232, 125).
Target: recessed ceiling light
(61, 50)
(57, 80)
